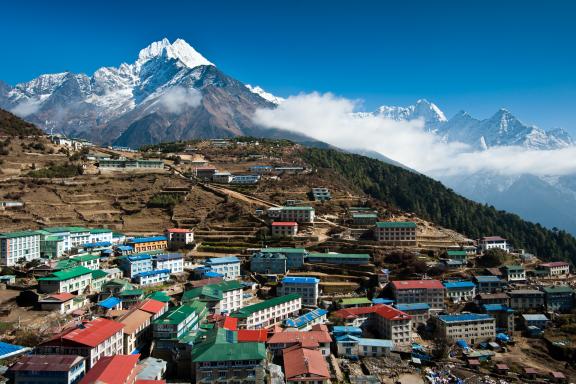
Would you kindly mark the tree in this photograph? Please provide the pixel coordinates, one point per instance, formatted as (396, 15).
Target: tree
(492, 258)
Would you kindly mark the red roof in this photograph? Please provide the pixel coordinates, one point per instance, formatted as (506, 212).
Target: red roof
(46, 363)
(414, 284)
(284, 223)
(62, 296)
(91, 333)
(305, 362)
(252, 335)
(178, 230)
(492, 238)
(152, 306)
(230, 323)
(203, 282)
(352, 313)
(530, 371)
(558, 375)
(502, 367)
(150, 382)
(390, 313)
(298, 337)
(555, 264)
(119, 369)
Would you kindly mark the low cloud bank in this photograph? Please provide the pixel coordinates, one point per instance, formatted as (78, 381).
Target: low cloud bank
(176, 99)
(331, 119)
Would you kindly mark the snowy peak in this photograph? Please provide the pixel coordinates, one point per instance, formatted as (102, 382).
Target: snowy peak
(265, 95)
(179, 50)
(423, 109)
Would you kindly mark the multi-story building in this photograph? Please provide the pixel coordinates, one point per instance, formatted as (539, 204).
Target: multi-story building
(179, 237)
(419, 291)
(305, 365)
(74, 237)
(353, 347)
(136, 330)
(339, 258)
(538, 320)
(503, 315)
(63, 303)
(223, 297)
(559, 298)
(294, 256)
(555, 268)
(458, 291)
(307, 287)
(16, 246)
(152, 243)
(174, 262)
(318, 335)
(470, 327)
(51, 246)
(364, 218)
(493, 242)
(457, 254)
(284, 228)
(89, 261)
(523, 299)
(115, 369)
(229, 267)
(268, 313)
(92, 340)
(396, 233)
(154, 307)
(135, 264)
(131, 164)
(492, 298)
(268, 263)
(514, 273)
(298, 214)
(245, 179)
(175, 322)
(321, 194)
(306, 321)
(393, 324)
(47, 369)
(222, 177)
(489, 284)
(101, 235)
(157, 276)
(418, 312)
(74, 280)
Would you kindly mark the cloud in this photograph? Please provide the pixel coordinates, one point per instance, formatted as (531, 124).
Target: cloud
(332, 119)
(26, 108)
(176, 99)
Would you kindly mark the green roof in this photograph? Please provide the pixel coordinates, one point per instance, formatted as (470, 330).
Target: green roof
(176, 315)
(221, 345)
(207, 292)
(100, 230)
(65, 264)
(228, 285)
(200, 308)
(159, 296)
(364, 216)
(396, 224)
(558, 289)
(98, 274)
(360, 208)
(341, 255)
(131, 292)
(454, 252)
(66, 229)
(53, 238)
(297, 208)
(283, 250)
(13, 235)
(355, 301)
(67, 274)
(83, 258)
(247, 311)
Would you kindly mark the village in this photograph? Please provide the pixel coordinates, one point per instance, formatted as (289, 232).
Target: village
(233, 261)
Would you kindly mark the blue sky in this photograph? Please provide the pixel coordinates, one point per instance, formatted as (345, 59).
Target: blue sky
(472, 55)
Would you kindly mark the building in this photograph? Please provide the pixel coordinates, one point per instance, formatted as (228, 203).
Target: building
(222, 177)
(17, 246)
(92, 340)
(294, 256)
(130, 164)
(222, 297)
(152, 243)
(51, 246)
(268, 313)
(306, 321)
(261, 169)
(204, 173)
(558, 298)
(74, 280)
(339, 258)
(493, 242)
(301, 215)
(305, 365)
(218, 357)
(89, 261)
(229, 267)
(179, 237)
(318, 337)
(418, 312)
(157, 276)
(136, 330)
(514, 273)
(135, 264)
(114, 369)
(154, 307)
(555, 268)
(321, 194)
(362, 218)
(503, 315)
(245, 179)
(152, 369)
(492, 298)
(63, 303)
(419, 291)
(268, 263)
(470, 327)
(396, 233)
(457, 255)
(306, 287)
(47, 369)
(354, 302)
(489, 284)
(354, 347)
(524, 299)
(535, 320)
(74, 237)
(175, 322)
(174, 262)
(284, 228)
(392, 324)
(101, 235)
(458, 291)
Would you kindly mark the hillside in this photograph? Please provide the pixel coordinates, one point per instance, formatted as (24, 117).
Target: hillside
(432, 201)
(11, 125)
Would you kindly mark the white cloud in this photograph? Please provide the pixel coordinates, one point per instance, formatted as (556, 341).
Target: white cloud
(26, 108)
(178, 98)
(330, 119)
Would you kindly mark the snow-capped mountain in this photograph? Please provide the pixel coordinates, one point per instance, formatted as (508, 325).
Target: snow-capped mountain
(423, 109)
(169, 92)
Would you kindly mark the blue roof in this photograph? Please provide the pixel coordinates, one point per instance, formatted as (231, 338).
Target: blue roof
(464, 317)
(497, 308)
(97, 244)
(222, 260)
(110, 302)
(107, 251)
(124, 248)
(376, 342)
(300, 280)
(7, 350)
(346, 329)
(152, 273)
(169, 256)
(536, 317)
(140, 257)
(487, 279)
(459, 284)
(213, 274)
(413, 307)
(305, 319)
(380, 300)
(138, 240)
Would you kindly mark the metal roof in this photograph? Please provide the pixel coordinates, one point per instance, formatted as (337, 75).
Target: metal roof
(460, 317)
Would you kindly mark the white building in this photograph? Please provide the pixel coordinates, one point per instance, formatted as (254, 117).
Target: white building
(232, 296)
(171, 261)
(268, 313)
(222, 177)
(307, 287)
(458, 291)
(74, 280)
(19, 245)
(556, 268)
(101, 235)
(229, 267)
(393, 324)
(297, 214)
(471, 327)
(63, 303)
(157, 276)
(492, 242)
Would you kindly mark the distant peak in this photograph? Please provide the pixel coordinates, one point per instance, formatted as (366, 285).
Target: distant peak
(179, 50)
